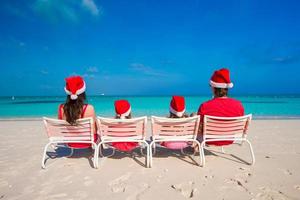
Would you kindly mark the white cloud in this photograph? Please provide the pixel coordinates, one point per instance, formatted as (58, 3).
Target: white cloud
(90, 76)
(74, 74)
(46, 87)
(91, 6)
(55, 10)
(286, 59)
(92, 70)
(44, 72)
(71, 10)
(85, 75)
(106, 77)
(15, 8)
(146, 70)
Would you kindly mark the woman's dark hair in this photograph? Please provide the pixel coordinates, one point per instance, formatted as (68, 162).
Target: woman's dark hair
(220, 92)
(73, 108)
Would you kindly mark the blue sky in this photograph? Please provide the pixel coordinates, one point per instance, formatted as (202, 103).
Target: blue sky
(147, 47)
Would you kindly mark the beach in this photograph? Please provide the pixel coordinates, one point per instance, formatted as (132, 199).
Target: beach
(275, 175)
(71, 59)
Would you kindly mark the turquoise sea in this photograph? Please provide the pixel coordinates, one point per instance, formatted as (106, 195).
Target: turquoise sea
(260, 106)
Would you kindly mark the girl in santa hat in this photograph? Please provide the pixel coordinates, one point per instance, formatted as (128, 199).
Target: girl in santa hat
(123, 111)
(75, 107)
(177, 110)
(177, 107)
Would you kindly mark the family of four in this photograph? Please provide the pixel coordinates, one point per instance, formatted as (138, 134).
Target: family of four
(220, 105)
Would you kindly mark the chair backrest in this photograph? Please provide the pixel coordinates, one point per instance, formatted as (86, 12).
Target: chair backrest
(62, 131)
(163, 127)
(217, 127)
(120, 128)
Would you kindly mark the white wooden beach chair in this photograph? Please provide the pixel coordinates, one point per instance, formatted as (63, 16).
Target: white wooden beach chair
(61, 132)
(122, 130)
(226, 129)
(173, 129)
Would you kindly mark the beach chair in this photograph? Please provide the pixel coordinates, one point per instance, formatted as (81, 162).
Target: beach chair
(226, 129)
(122, 130)
(173, 129)
(61, 132)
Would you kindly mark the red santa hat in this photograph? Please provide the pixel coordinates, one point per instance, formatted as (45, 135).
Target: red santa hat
(122, 108)
(221, 79)
(75, 86)
(177, 106)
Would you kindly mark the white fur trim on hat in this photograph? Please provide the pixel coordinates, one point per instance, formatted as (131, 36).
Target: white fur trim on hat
(81, 90)
(179, 114)
(78, 92)
(67, 91)
(221, 85)
(124, 115)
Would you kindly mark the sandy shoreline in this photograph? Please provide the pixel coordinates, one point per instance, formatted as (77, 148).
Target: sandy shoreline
(276, 174)
(263, 117)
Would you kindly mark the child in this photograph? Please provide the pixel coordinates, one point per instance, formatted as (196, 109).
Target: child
(177, 110)
(123, 111)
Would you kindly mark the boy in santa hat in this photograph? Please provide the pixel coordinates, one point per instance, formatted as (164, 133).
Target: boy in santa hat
(221, 105)
(123, 111)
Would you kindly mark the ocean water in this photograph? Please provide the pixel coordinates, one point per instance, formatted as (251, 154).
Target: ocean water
(259, 106)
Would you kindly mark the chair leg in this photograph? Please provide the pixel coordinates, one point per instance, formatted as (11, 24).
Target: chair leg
(150, 153)
(95, 160)
(241, 143)
(182, 152)
(222, 149)
(97, 151)
(202, 153)
(141, 150)
(72, 151)
(154, 149)
(147, 155)
(252, 153)
(44, 155)
(150, 156)
(110, 155)
(54, 146)
(113, 151)
(100, 150)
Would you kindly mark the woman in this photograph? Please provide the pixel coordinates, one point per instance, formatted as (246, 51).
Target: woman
(75, 107)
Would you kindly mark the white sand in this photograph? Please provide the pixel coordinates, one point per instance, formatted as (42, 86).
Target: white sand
(276, 174)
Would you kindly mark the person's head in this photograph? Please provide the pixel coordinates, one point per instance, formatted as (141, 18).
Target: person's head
(75, 89)
(177, 107)
(220, 82)
(123, 109)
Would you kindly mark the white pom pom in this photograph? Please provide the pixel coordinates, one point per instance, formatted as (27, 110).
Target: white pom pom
(74, 96)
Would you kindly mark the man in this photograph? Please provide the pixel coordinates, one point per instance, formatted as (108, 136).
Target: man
(221, 105)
